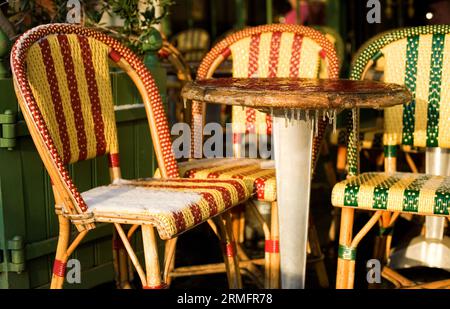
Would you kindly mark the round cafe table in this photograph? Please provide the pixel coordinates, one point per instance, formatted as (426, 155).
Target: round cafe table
(295, 104)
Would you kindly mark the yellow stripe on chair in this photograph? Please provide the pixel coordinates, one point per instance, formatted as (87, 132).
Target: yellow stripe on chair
(102, 76)
(394, 55)
(309, 59)
(444, 109)
(428, 189)
(422, 88)
(284, 59)
(264, 54)
(42, 94)
(240, 52)
(366, 192)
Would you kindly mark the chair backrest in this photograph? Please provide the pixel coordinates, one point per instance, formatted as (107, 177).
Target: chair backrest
(277, 50)
(418, 58)
(61, 77)
(192, 43)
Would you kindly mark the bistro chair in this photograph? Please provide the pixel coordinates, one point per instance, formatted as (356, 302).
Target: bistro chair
(62, 81)
(192, 43)
(277, 50)
(419, 59)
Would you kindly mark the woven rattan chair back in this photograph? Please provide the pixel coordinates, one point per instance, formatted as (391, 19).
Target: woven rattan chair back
(418, 58)
(61, 76)
(192, 43)
(277, 50)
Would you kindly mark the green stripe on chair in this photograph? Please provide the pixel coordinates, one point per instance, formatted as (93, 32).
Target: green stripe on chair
(410, 82)
(434, 96)
(411, 194)
(381, 192)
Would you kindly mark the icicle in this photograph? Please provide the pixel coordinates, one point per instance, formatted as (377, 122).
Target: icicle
(292, 116)
(324, 114)
(298, 114)
(307, 115)
(334, 121)
(184, 103)
(286, 118)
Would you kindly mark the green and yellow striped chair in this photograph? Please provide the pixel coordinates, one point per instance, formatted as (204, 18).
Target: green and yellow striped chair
(419, 58)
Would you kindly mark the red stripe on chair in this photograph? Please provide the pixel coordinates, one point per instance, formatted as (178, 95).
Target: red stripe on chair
(253, 55)
(275, 44)
(180, 223)
(113, 160)
(228, 249)
(268, 124)
(272, 246)
(196, 213)
(213, 209)
(115, 56)
(96, 108)
(237, 137)
(74, 95)
(296, 52)
(323, 54)
(259, 186)
(56, 99)
(226, 53)
(250, 120)
(252, 72)
(59, 268)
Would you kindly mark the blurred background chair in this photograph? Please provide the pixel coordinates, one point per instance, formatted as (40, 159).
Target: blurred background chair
(62, 81)
(418, 58)
(192, 43)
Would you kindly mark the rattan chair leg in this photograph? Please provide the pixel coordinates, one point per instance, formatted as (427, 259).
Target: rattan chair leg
(341, 160)
(345, 267)
(152, 267)
(229, 250)
(316, 253)
(63, 244)
(131, 254)
(267, 237)
(60, 265)
(169, 259)
(395, 278)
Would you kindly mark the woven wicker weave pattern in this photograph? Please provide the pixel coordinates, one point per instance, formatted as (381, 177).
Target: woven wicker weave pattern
(81, 119)
(400, 192)
(178, 204)
(414, 57)
(98, 42)
(263, 35)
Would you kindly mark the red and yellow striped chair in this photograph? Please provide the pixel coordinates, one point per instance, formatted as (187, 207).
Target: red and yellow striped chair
(62, 81)
(277, 50)
(418, 58)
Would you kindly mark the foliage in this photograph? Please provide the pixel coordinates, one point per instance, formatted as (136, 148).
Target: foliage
(137, 22)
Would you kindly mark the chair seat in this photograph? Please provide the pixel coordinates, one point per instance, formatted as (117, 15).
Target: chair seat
(400, 192)
(173, 206)
(258, 174)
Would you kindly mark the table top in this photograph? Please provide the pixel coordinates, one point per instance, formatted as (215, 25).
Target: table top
(296, 93)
